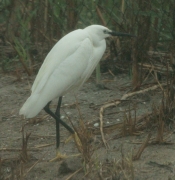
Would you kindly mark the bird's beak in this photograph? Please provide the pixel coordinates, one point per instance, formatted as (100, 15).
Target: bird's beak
(113, 33)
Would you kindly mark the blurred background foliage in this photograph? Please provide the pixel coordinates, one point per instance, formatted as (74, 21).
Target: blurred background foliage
(29, 29)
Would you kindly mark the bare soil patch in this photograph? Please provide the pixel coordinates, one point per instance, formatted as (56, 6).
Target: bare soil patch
(156, 162)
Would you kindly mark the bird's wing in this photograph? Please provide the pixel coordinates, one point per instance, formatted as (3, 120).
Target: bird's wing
(69, 74)
(62, 49)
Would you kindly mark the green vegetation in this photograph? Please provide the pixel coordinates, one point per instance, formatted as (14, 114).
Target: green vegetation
(28, 29)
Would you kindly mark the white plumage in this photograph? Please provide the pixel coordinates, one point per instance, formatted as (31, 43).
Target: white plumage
(66, 67)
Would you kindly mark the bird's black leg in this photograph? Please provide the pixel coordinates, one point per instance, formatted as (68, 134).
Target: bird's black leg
(57, 113)
(56, 116)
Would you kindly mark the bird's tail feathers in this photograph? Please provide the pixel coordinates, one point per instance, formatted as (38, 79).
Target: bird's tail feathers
(31, 107)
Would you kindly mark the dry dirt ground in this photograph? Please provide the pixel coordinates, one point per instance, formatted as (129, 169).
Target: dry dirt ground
(114, 163)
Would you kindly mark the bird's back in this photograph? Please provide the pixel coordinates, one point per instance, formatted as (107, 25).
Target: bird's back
(61, 50)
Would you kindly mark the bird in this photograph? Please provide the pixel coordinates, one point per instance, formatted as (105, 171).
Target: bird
(65, 69)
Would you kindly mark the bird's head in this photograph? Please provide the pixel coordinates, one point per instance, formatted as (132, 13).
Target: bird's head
(102, 32)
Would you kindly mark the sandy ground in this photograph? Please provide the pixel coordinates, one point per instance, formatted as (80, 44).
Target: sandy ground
(156, 162)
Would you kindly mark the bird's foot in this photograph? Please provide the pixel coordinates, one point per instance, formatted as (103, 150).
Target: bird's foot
(59, 157)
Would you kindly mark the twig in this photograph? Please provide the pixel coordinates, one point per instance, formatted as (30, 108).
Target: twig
(18, 149)
(143, 146)
(101, 128)
(151, 53)
(44, 145)
(111, 72)
(74, 173)
(155, 68)
(159, 83)
(100, 174)
(35, 164)
(148, 74)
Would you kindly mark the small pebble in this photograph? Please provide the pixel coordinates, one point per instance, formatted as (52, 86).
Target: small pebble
(96, 124)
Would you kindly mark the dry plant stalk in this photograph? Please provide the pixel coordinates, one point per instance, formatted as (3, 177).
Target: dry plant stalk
(24, 155)
(135, 69)
(119, 169)
(72, 16)
(34, 165)
(158, 68)
(1, 175)
(143, 146)
(164, 114)
(129, 124)
(160, 131)
(127, 167)
(84, 138)
(100, 16)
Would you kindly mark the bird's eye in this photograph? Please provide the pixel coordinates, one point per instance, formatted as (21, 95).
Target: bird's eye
(105, 31)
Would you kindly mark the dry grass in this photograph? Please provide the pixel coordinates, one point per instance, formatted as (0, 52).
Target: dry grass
(24, 151)
(85, 147)
(121, 169)
(92, 164)
(163, 116)
(18, 167)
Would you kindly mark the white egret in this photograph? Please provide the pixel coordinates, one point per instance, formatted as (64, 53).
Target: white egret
(66, 67)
